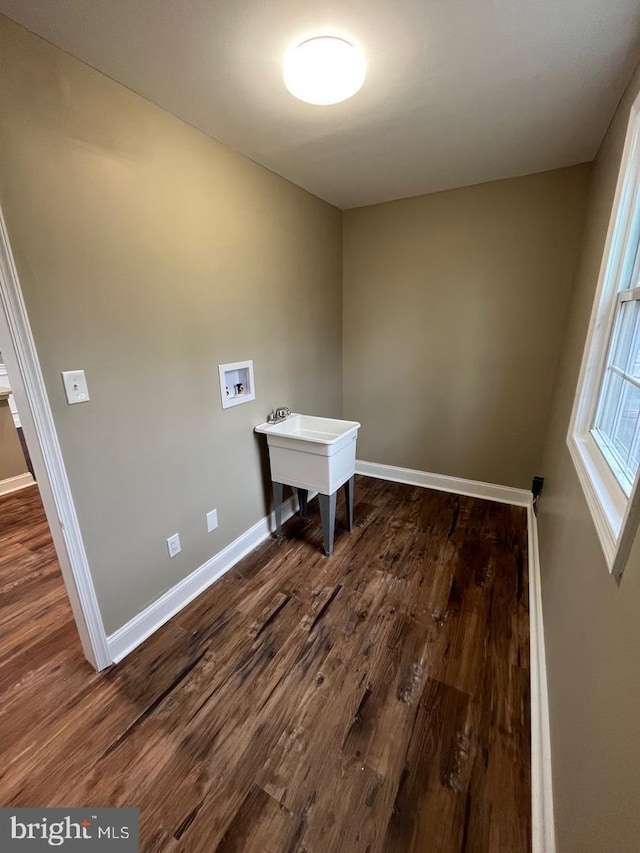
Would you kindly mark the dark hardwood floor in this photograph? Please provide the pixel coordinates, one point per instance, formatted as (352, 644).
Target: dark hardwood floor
(36, 623)
(377, 700)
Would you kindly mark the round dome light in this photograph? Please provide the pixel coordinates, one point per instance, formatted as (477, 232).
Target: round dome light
(324, 70)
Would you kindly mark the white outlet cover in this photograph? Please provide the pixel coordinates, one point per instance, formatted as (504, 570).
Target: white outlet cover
(212, 520)
(173, 545)
(75, 386)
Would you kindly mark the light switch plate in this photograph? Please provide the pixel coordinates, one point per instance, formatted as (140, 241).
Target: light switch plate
(75, 386)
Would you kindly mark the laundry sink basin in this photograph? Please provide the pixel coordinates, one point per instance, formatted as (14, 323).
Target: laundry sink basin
(311, 453)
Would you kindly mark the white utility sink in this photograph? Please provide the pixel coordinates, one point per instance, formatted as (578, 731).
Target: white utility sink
(312, 453)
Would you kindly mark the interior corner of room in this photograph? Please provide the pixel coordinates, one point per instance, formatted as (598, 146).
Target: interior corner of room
(163, 292)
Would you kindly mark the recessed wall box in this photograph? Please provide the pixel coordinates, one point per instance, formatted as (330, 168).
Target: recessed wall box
(236, 383)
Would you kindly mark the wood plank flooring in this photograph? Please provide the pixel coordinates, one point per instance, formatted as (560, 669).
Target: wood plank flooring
(374, 701)
(35, 616)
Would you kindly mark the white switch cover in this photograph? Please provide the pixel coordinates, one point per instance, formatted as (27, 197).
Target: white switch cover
(75, 386)
(173, 545)
(212, 520)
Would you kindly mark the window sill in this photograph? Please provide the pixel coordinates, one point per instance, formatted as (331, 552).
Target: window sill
(605, 498)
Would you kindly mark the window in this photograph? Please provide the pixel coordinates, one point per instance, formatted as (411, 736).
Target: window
(604, 433)
(616, 427)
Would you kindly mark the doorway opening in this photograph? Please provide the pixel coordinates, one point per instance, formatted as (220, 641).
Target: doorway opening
(16, 468)
(37, 628)
(45, 475)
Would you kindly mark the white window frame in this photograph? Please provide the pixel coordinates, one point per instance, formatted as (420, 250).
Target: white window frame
(615, 514)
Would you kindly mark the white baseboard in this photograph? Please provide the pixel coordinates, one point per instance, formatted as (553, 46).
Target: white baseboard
(456, 485)
(542, 819)
(126, 639)
(12, 484)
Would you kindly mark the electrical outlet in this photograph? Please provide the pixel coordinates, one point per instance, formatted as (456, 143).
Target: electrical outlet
(173, 545)
(212, 520)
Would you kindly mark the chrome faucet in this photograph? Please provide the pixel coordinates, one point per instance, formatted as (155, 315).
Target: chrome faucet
(278, 415)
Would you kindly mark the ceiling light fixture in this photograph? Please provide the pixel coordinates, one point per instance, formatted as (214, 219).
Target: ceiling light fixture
(324, 70)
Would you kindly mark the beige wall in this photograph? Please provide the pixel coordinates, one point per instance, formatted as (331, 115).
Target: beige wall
(454, 305)
(148, 254)
(12, 461)
(592, 624)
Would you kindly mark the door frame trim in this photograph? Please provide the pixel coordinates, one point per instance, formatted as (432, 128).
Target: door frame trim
(21, 357)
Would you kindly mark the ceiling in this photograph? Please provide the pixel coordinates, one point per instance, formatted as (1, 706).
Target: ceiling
(457, 92)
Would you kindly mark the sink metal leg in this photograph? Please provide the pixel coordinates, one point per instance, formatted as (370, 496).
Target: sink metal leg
(303, 495)
(277, 507)
(348, 494)
(328, 516)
